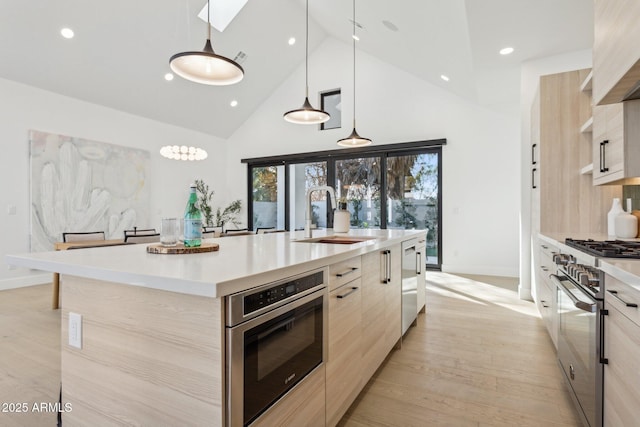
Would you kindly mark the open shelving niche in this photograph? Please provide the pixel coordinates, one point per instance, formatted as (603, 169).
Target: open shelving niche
(587, 127)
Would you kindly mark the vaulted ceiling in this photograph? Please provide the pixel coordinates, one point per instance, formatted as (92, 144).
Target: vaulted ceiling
(120, 53)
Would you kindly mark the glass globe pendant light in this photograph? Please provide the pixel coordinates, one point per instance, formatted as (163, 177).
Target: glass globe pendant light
(306, 115)
(354, 140)
(206, 66)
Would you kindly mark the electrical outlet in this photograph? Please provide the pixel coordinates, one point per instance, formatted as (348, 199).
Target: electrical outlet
(11, 210)
(75, 330)
(11, 267)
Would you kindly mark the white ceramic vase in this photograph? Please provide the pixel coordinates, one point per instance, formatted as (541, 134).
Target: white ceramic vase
(616, 209)
(342, 220)
(626, 224)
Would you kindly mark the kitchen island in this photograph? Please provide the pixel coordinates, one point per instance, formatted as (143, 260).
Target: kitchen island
(152, 339)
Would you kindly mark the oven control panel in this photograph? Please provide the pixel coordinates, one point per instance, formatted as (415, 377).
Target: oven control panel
(265, 297)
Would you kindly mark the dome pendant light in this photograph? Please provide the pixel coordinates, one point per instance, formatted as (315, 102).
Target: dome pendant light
(354, 140)
(306, 115)
(206, 66)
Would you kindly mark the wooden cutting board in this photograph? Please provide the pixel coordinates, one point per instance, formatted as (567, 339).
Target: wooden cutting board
(180, 249)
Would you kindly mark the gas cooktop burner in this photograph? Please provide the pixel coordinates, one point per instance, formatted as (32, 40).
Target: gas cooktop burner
(607, 248)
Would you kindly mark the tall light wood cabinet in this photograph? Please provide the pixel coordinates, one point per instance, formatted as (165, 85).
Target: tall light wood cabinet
(565, 200)
(616, 142)
(616, 51)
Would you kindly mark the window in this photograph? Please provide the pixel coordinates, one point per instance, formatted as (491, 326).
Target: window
(331, 102)
(358, 182)
(303, 176)
(385, 186)
(413, 196)
(268, 204)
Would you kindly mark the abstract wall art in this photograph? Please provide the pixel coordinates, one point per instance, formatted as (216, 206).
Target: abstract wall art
(83, 185)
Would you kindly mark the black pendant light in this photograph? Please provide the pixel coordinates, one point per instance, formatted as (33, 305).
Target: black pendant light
(206, 66)
(306, 115)
(354, 140)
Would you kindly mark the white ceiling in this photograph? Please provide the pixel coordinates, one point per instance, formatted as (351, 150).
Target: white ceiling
(122, 47)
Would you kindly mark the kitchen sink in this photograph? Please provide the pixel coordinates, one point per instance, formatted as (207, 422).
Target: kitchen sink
(336, 240)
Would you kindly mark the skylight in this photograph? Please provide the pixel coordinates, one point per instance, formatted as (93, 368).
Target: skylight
(222, 12)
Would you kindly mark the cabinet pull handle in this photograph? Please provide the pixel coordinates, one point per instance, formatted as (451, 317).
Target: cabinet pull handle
(544, 268)
(387, 266)
(419, 263)
(344, 273)
(615, 295)
(603, 161)
(603, 359)
(544, 247)
(533, 178)
(533, 154)
(353, 289)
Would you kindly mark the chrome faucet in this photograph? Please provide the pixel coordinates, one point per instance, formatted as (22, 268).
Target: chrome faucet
(307, 214)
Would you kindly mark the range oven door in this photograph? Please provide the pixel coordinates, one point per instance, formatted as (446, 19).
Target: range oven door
(578, 350)
(270, 354)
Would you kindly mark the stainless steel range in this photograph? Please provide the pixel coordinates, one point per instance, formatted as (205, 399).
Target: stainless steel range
(580, 310)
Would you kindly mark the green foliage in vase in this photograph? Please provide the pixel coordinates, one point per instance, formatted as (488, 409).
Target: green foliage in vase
(220, 216)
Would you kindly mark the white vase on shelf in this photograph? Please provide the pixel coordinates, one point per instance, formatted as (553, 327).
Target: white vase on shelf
(616, 209)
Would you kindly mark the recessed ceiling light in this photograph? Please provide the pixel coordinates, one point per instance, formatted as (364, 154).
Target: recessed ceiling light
(445, 78)
(292, 41)
(233, 103)
(506, 51)
(168, 77)
(67, 33)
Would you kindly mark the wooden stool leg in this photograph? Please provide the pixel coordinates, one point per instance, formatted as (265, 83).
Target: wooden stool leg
(56, 291)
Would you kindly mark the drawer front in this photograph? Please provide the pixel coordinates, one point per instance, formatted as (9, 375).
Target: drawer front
(547, 252)
(625, 298)
(344, 272)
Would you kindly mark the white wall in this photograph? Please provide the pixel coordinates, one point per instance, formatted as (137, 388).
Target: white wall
(530, 78)
(481, 161)
(23, 108)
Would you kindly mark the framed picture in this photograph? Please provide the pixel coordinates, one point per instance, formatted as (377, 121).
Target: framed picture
(331, 102)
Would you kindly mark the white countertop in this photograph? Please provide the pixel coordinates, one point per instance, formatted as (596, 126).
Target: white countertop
(241, 263)
(627, 271)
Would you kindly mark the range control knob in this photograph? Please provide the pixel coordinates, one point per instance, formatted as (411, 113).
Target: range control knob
(561, 259)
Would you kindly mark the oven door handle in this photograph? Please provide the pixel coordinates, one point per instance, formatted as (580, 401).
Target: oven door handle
(585, 306)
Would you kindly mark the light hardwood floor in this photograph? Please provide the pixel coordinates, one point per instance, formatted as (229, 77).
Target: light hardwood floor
(478, 357)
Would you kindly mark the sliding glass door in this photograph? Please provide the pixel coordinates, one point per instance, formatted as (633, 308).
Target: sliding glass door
(267, 197)
(387, 186)
(413, 196)
(358, 183)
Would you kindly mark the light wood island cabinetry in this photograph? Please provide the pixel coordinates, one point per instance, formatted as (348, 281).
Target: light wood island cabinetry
(381, 298)
(344, 355)
(154, 328)
(146, 355)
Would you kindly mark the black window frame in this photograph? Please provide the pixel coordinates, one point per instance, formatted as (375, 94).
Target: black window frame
(330, 156)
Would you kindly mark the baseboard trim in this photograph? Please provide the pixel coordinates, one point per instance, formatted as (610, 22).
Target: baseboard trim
(23, 282)
(481, 270)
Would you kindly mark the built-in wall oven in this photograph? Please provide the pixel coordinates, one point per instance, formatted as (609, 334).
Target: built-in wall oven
(275, 337)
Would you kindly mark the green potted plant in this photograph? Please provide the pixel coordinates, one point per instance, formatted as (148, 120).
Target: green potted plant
(219, 217)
